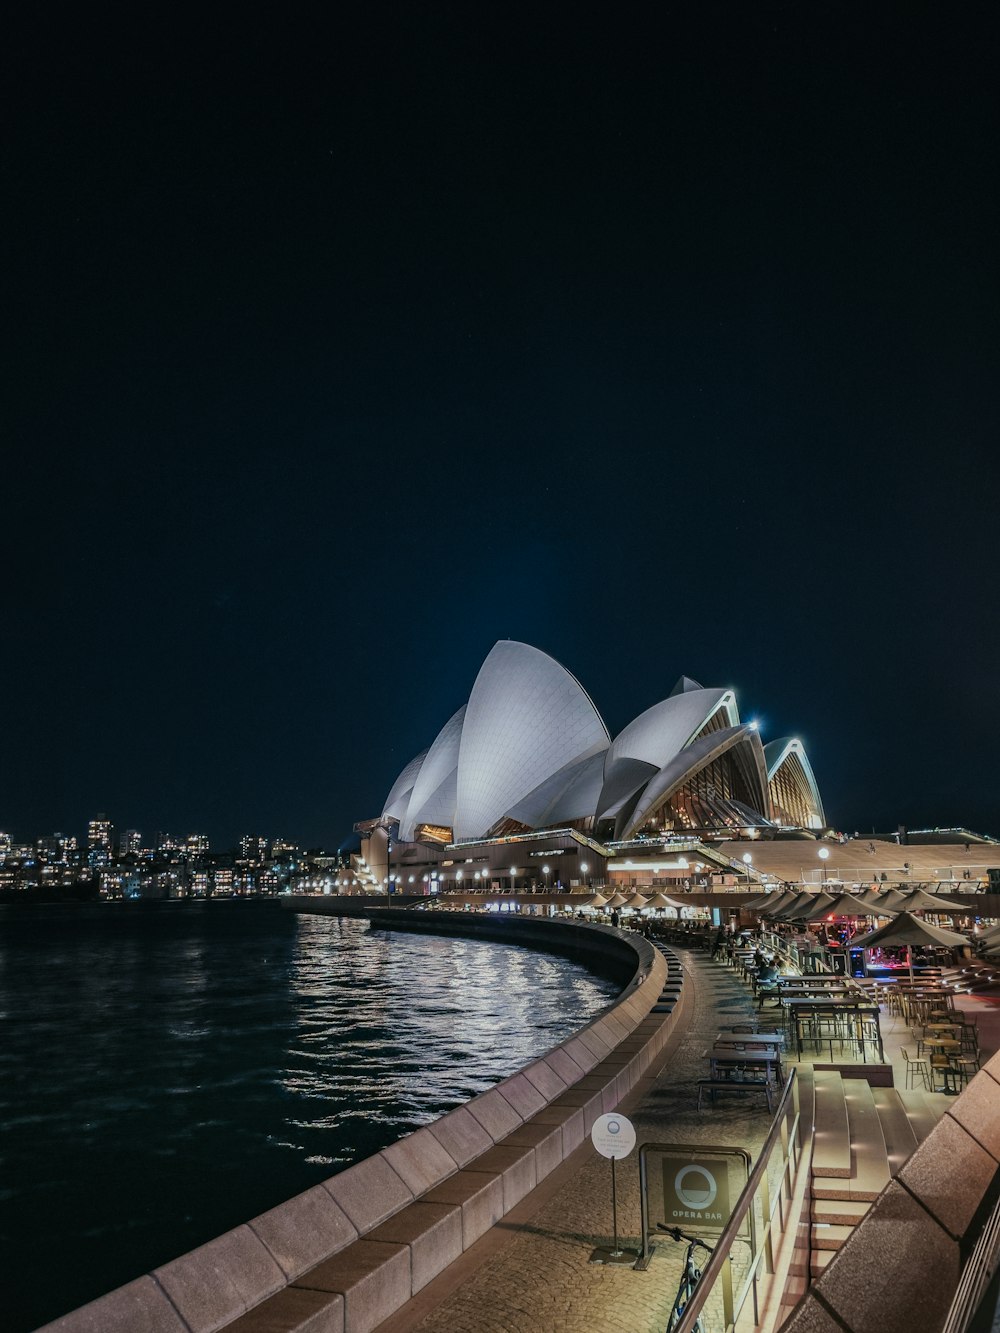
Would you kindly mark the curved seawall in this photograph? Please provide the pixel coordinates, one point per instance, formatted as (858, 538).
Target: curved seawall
(347, 1253)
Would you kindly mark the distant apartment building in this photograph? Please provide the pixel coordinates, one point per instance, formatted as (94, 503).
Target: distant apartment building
(100, 835)
(131, 843)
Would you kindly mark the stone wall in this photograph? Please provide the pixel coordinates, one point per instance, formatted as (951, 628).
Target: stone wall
(345, 1254)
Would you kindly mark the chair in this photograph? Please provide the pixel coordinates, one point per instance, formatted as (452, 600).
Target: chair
(969, 1033)
(918, 1037)
(916, 1069)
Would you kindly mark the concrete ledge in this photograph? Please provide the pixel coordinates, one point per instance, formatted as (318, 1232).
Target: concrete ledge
(372, 1276)
(294, 1310)
(433, 1231)
(304, 1230)
(369, 1192)
(420, 1161)
(214, 1284)
(516, 1168)
(461, 1135)
(480, 1197)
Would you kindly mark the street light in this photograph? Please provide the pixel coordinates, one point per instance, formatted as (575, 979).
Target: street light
(823, 854)
(747, 859)
(513, 872)
(545, 872)
(583, 871)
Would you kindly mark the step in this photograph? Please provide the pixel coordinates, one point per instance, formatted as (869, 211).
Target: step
(900, 1139)
(843, 1212)
(832, 1140)
(869, 1161)
(921, 1115)
(829, 1235)
(818, 1261)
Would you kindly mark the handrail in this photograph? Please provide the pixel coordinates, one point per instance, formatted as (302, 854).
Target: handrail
(716, 1266)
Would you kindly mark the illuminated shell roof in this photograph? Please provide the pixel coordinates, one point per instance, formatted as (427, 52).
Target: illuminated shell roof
(433, 797)
(530, 746)
(527, 719)
(655, 737)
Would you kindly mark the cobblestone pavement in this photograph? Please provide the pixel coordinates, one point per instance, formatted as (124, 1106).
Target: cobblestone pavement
(541, 1280)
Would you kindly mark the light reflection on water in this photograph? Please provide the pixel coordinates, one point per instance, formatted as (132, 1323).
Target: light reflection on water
(168, 1074)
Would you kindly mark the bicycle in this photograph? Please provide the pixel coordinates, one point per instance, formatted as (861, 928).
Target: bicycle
(689, 1278)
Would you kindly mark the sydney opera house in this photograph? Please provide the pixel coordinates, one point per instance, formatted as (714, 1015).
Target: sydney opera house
(529, 754)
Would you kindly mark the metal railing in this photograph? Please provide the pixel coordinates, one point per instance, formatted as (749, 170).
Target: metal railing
(765, 1201)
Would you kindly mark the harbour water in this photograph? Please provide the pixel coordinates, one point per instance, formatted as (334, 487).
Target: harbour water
(167, 1072)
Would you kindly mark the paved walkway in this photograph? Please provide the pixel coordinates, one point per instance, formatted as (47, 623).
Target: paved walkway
(533, 1274)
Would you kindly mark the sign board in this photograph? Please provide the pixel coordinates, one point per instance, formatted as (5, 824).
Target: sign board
(613, 1135)
(696, 1193)
(694, 1186)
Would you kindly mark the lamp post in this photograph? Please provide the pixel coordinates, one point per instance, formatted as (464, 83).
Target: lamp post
(586, 877)
(545, 872)
(513, 872)
(823, 855)
(747, 859)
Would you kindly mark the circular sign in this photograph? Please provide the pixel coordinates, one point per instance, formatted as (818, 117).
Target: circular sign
(613, 1135)
(696, 1187)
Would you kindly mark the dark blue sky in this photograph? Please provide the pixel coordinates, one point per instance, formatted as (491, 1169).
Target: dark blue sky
(339, 347)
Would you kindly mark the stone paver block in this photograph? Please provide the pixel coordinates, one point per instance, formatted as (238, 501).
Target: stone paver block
(294, 1310)
(887, 1260)
(547, 1141)
(570, 1120)
(610, 1030)
(420, 1161)
(598, 1046)
(515, 1166)
(479, 1194)
(494, 1113)
(582, 1054)
(139, 1304)
(369, 1192)
(522, 1095)
(976, 1112)
(461, 1135)
(217, 1282)
(949, 1173)
(545, 1079)
(373, 1277)
(564, 1065)
(304, 1230)
(590, 1103)
(433, 1232)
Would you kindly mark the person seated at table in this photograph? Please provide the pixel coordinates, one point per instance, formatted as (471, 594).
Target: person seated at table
(767, 972)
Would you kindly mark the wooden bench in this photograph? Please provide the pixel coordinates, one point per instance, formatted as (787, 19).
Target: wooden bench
(715, 1085)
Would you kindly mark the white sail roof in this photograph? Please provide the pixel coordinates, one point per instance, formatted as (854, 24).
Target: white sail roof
(526, 719)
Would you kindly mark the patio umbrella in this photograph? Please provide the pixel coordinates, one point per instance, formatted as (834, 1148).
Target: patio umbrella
(843, 904)
(893, 900)
(594, 903)
(815, 904)
(634, 904)
(800, 899)
(619, 900)
(919, 900)
(907, 929)
(777, 902)
(660, 900)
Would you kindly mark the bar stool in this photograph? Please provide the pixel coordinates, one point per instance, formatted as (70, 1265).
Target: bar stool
(916, 1069)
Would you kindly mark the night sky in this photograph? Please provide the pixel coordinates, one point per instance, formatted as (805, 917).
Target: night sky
(340, 345)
